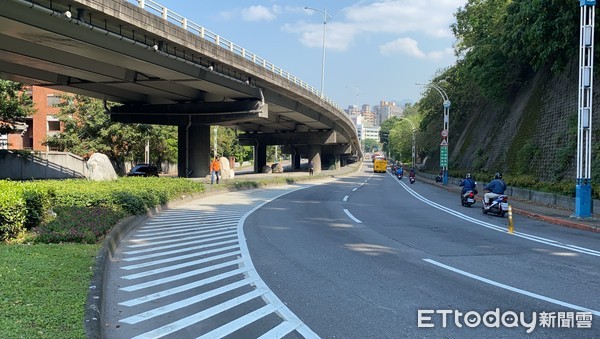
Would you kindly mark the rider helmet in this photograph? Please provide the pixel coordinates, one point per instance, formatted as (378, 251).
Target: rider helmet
(468, 176)
(498, 175)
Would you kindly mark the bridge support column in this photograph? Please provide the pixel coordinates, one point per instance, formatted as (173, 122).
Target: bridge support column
(193, 151)
(260, 157)
(314, 155)
(296, 160)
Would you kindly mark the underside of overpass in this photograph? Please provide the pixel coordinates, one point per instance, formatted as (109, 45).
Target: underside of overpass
(161, 73)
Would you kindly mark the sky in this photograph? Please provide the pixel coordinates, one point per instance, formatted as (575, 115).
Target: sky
(375, 49)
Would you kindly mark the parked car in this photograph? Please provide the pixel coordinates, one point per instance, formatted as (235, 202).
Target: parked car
(143, 170)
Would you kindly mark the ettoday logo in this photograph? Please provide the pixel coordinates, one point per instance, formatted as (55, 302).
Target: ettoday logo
(509, 319)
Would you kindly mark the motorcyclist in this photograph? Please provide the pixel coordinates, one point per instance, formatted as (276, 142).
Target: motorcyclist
(496, 187)
(468, 184)
(440, 176)
(400, 171)
(412, 173)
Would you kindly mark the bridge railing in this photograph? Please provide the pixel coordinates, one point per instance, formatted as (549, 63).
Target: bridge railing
(165, 13)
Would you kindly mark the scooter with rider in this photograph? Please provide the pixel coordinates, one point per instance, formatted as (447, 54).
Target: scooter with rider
(469, 191)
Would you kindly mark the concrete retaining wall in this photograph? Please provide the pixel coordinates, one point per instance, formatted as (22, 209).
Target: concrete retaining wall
(551, 199)
(41, 165)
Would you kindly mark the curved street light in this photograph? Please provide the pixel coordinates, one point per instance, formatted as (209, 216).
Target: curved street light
(445, 131)
(414, 141)
(325, 15)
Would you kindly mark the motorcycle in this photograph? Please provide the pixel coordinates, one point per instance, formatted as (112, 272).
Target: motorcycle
(411, 179)
(439, 178)
(399, 175)
(498, 206)
(467, 199)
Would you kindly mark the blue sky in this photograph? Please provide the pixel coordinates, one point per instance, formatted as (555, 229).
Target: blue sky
(377, 49)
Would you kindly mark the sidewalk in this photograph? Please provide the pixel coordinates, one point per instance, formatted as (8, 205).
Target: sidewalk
(529, 209)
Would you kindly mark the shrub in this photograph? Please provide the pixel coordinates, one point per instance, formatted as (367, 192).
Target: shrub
(13, 213)
(38, 201)
(129, 202)
(78, 224)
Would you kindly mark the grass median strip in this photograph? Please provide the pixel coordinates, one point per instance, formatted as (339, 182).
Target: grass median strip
(43, 289)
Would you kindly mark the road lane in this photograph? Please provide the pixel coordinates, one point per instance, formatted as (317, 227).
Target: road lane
(368, 279)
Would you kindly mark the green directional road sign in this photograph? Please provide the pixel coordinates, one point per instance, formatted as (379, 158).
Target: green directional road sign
(443, 156)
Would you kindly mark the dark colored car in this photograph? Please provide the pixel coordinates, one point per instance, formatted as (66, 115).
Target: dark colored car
(143, 170)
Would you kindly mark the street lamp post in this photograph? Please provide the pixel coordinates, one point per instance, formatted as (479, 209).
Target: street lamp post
(414, 141)
(215, 141)
(357, 93)
(583, 188)
(445, 132)
(325, 15)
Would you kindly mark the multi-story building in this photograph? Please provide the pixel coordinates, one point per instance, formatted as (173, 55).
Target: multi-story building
(42, 123)
(388, 109)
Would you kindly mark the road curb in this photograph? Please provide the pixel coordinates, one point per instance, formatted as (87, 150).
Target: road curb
(93, 320)
(528, 214)
(556, 221)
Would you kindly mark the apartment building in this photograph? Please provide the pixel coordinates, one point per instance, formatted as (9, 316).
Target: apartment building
(40, 125)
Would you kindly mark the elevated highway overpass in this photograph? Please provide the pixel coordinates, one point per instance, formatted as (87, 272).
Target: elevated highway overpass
(163, 69)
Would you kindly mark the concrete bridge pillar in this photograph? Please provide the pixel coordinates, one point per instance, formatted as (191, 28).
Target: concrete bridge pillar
(260, 157)
(296, 160)
(314, 155)
(193, 151)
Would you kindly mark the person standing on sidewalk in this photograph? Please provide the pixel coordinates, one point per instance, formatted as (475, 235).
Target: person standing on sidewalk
(215, 168)
(311, 168)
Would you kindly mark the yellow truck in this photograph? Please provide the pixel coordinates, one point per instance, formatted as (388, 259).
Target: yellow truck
(379, 165)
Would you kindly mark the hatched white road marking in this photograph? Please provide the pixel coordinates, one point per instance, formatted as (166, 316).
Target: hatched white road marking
(184, 260)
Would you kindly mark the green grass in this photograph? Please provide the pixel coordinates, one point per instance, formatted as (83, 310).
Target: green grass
(44, 289)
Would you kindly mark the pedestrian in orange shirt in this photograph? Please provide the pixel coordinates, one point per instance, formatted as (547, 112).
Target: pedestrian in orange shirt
(215, 168)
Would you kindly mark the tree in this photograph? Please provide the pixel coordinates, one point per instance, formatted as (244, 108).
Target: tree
(370, 145)
(228, 144)
(15, 105)
(88, 129)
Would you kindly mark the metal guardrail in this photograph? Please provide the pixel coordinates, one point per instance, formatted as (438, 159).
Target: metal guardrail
(177, 19)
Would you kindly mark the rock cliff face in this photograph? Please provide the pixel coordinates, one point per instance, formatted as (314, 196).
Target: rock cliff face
(535, 133)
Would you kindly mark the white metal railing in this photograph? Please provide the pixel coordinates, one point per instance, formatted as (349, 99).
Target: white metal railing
(165, 13)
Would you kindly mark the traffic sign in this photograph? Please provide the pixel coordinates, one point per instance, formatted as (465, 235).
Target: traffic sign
(443, 156)
(444, 143)
(444, 133)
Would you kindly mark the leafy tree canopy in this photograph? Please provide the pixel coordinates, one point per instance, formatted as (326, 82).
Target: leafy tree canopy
(15, 105)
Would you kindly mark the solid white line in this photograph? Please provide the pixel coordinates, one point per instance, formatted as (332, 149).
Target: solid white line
(351, 216)
(283, 310)
(186, 287)
(345, 199)
(240, 322)
(180, 257)
(196, 318)
(178, 266)
(500, 228)
(514, 289)
(179, 276)
(181, 250)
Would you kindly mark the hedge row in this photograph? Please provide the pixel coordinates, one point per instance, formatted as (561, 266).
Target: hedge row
(80, 210)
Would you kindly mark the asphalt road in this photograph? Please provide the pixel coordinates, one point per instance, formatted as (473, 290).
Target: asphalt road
(360, 256)
(354, 257)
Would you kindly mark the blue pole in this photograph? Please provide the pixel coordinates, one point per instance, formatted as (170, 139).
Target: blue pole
(583, 187)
